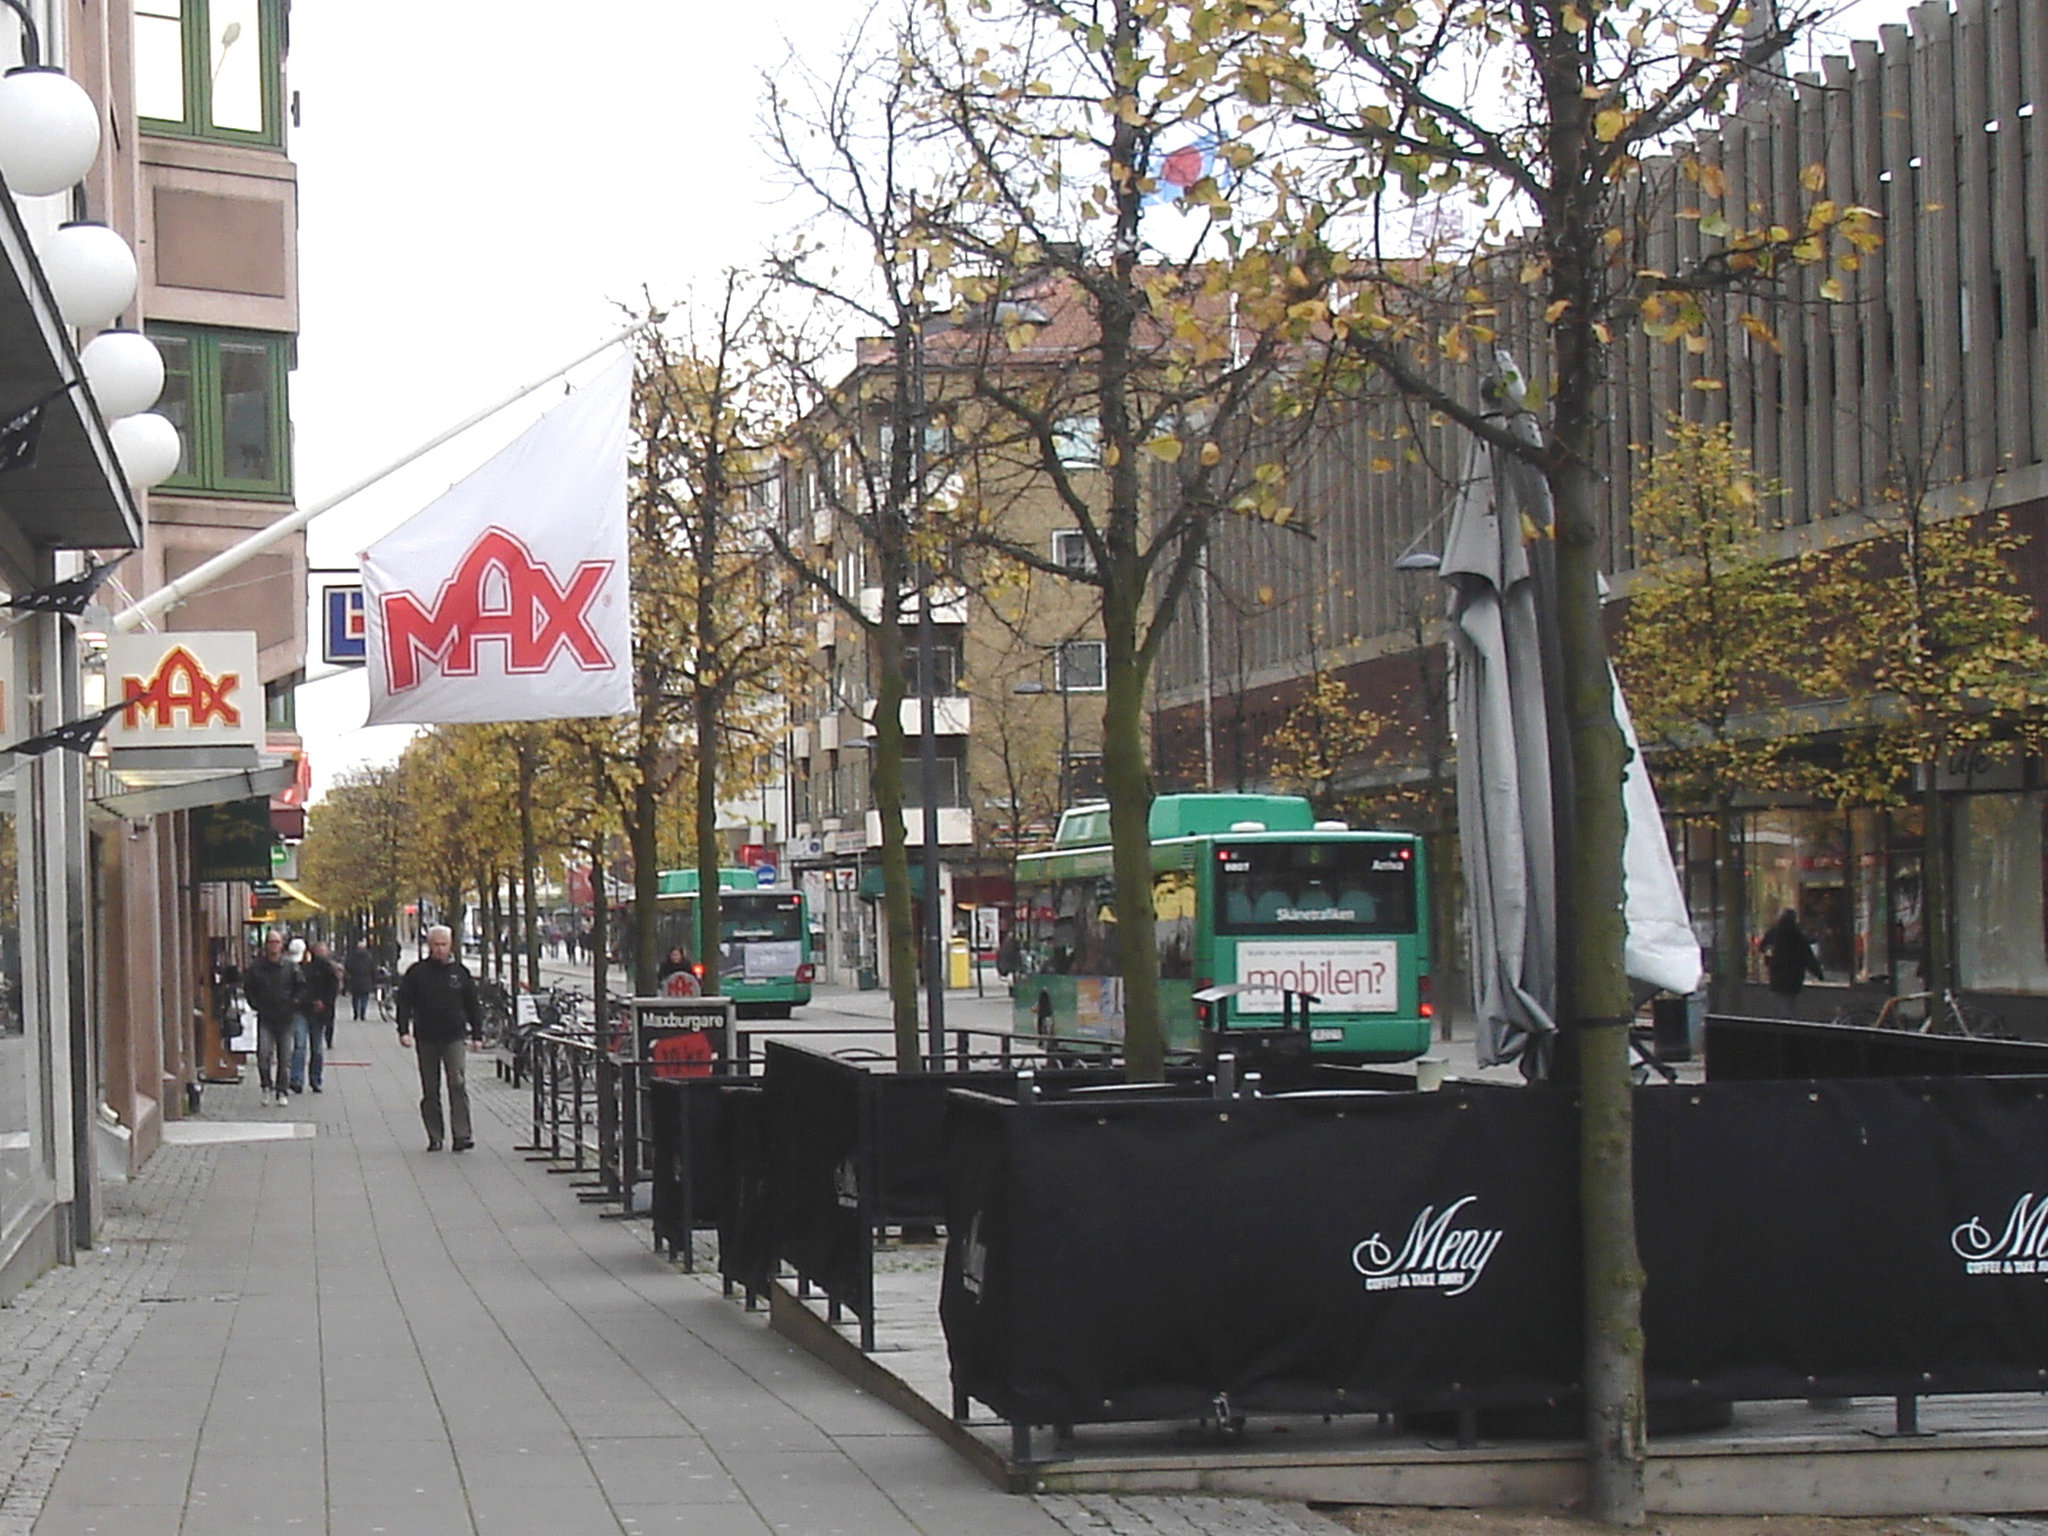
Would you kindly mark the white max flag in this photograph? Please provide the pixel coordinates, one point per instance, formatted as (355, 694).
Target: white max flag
(507, 597)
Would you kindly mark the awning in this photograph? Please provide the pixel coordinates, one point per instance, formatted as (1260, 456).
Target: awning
(870, 888)
(296, 902)
(136, 794)
(74, 495)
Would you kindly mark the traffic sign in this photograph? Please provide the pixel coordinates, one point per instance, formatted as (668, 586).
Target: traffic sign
(764, 874)
(341, 632)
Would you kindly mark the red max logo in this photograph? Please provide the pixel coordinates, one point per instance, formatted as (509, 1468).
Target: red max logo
(180, 683)
(500, 593)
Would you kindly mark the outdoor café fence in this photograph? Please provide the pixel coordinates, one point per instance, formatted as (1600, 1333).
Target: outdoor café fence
(1342, 1253)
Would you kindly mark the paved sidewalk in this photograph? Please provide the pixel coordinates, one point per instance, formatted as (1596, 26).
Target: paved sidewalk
(346, 1334)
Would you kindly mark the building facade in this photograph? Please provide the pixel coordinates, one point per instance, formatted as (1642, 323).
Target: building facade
(1932, 363)
(114, 921)
(1017, 670)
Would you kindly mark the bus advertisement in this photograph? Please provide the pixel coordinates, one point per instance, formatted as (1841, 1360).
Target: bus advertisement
(1248, 892)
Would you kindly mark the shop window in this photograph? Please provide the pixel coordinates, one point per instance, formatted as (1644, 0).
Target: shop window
(225, 393)
(1999, 900)
(1800, 859)
(210, 69)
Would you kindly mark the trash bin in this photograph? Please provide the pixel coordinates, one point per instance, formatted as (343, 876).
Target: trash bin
(959, 964)
(1671, 1028)
(867, 978)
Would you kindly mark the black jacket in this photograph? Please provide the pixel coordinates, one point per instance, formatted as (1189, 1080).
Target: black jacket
(437, 1001)
(360, 970)
(323, 985)
(276, 989)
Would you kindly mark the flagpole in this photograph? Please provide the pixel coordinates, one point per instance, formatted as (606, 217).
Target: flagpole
(203, 575)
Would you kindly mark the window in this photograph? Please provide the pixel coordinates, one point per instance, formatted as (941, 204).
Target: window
(1080, 668)
(1070, 551)
(947, 668)
(210, 69)
(225, 393)
(1078, 441)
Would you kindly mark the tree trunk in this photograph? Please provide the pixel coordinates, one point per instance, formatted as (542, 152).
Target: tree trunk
(643, 834)
(1128, 782)
(886, 782)
(529, 855)
(705, 809)
(1937, 900)
(1596, 1005)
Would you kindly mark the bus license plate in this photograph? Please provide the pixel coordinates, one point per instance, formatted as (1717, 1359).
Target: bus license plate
(1320, 1035)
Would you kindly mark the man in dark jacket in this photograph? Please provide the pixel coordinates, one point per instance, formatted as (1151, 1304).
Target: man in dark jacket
(359, 975)
(275, 988)
(1788, 957)
(437, 1002)
(323, 991)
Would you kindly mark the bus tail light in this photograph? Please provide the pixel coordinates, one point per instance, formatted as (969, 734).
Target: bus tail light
(697, 970)
(1424, 1007)
(806, 973)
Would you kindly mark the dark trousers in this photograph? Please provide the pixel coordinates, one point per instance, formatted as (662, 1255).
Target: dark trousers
(440, 1058)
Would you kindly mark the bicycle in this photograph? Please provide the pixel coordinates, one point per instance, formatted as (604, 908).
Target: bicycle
(386, 995)
(1913, 1011)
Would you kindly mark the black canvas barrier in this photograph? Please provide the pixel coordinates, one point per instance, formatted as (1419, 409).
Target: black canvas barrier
(686, 1174)
(821, 1175)
(1336, 1252)
(1747, 1049)
(746, 1215)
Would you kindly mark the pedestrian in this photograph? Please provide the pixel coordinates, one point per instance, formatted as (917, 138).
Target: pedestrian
(437, 1001)
(323, 992)
(359, 975)
(272, 986)
(1788, 957)
(303, 1042)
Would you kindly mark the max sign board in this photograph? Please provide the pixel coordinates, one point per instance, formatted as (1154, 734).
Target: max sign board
(197, 689)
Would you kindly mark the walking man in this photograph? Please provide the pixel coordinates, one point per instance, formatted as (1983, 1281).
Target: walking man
(323, 991)
(359, 974)
(437, 1002)
(274, 988)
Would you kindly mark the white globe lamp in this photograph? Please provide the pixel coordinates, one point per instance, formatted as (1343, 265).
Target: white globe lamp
(125, 370)
(91, 272)
(49, 131)
(148, 448)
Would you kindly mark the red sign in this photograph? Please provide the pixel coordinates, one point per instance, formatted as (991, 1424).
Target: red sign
(181, 683)
(500, 593)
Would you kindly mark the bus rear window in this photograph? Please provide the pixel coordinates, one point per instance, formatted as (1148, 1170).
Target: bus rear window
(1300, 889)
(759, 919)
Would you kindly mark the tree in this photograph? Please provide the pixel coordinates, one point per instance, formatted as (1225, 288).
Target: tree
(1326, 731)
(709, 417)
(1141, 390)
(1716, 637)
(353, 856)
(1586, 100)
(860, 443)
(1929, 637)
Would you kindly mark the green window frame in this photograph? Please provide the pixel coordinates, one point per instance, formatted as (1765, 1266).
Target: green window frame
(196, 80)
(225, 392)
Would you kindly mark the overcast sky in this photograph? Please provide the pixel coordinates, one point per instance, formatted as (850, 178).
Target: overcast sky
(480, 189)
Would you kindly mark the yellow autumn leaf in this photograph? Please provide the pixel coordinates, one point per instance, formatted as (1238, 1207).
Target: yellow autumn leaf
(1607, 125)
(1167, 448)
(1211, 454)
(1814, 177)
(1555, 309)
(1832, 290)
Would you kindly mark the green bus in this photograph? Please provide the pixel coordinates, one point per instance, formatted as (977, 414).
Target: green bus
(1249, 891)
(764, 961)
